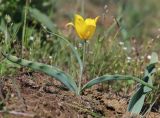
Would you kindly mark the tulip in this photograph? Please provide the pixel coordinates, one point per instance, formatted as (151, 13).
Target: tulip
(84, 28)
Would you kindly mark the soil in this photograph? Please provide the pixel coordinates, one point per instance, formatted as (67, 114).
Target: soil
(35, 95)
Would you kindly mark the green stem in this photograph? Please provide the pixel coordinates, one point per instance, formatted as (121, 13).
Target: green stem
(24, 26)
(83, 62)
(84, 53)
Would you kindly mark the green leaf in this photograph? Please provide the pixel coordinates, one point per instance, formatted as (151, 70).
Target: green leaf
(149, 71)
(3, 26)
(75, 52)
(15, 29)
(137, 100)
(49, 70)
(154, 58)
(42, 18)
(112, 77)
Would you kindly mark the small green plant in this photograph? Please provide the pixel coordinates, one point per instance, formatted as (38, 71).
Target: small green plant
(68, 81)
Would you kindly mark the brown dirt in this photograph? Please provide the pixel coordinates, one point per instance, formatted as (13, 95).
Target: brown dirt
(34, 95)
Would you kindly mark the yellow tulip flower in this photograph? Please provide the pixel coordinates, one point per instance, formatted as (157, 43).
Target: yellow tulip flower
(84, 28)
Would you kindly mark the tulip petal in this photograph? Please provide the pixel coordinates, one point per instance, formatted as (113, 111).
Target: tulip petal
(89, 31)
(90, 21)
(96, 19)
(79, 25)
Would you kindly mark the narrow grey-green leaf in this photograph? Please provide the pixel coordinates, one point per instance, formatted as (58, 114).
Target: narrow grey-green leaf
(3, 26)
(15, 28)
(49, 70)
(75, 52)
(42, 18)
(149, 71)
(112, 77)
(154, 58)
(137, 100)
